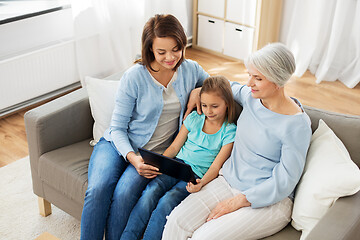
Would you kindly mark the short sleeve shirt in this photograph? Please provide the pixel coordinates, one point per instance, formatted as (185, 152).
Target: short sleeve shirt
(200, 148)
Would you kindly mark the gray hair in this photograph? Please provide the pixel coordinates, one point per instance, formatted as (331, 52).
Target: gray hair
(274, 61)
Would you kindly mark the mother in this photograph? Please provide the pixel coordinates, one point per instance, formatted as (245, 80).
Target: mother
(253, 196)
(150, 103)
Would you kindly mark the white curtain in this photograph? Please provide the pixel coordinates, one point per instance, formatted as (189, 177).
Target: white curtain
(324, 36)
(108, 32)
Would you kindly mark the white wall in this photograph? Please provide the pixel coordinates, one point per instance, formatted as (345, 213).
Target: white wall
(37, 39)
(49, 29)
(33, 33)
(178, 9)
(57, 26)
(37, 59)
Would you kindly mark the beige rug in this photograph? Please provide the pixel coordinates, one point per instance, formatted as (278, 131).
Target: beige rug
(19, 215)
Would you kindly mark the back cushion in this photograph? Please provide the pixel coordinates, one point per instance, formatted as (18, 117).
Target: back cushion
(346, 128)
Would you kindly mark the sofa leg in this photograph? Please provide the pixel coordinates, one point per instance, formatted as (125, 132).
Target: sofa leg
(44, 207)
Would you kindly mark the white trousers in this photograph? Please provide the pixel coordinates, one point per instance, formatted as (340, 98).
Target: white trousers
(188, 220)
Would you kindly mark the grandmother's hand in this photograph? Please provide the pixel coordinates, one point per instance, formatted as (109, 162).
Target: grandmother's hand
(194, 101)
(228, 206)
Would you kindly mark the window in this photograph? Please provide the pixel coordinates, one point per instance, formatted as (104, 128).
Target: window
(13, 10)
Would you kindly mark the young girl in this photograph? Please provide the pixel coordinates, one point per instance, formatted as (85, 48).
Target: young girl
(204, 142)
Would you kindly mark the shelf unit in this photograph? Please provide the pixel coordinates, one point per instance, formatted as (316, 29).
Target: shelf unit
(235, 28)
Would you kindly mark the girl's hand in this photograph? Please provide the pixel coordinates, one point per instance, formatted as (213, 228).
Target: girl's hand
(228, 206)
(143, 169)
(194, 101)
(192, 188)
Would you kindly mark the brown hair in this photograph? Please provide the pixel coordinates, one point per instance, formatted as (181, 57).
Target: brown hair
(161, 26)
(221, 86)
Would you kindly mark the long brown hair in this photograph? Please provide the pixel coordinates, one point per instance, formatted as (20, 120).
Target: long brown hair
(161, 26)
(221, 86)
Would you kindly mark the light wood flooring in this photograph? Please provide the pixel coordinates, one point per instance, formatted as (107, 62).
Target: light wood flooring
(332, 96)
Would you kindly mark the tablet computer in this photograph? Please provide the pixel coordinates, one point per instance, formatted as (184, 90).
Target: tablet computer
(168, 166)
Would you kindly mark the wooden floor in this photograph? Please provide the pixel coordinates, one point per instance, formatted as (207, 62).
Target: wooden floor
(332, 96)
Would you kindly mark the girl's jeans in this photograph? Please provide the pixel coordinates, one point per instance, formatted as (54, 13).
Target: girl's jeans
(159, 198)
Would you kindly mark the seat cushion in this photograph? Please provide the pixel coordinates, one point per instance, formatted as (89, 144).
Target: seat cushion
(287, 233)
(66, 168)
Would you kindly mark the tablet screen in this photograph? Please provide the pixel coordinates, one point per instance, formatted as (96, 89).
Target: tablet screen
(168, 166)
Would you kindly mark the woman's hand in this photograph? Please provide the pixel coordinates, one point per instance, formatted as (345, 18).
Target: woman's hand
(192, 188)
(143, 169)
(194, 101)
(228, 206)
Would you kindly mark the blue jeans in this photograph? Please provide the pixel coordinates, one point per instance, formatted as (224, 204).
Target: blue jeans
(159, 198)
(114, 186)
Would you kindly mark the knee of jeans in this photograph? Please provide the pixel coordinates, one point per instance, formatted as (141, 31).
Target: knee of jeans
(127, 192)
(148, 201)
(165, 205)
(150, 196)
(164, 181)
(175, 195)
(123, 194)
(154, 188)
(99, 191)
(168, 202)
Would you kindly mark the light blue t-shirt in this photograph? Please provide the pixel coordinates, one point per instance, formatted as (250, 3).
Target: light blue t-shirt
(201, 149)
(269, 151)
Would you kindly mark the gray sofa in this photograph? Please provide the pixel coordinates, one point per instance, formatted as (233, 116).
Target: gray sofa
(59, 133)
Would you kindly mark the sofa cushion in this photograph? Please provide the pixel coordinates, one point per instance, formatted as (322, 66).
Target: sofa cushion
(66, 168)
(329, 174)
(287, 233)
(102, 101)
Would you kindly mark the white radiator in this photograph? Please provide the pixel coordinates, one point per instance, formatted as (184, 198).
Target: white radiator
(35, 74)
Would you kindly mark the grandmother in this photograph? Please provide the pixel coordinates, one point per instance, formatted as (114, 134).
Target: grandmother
(253, 196)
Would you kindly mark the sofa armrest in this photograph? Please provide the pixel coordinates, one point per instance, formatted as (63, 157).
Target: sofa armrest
(341, 221)
(58, 123)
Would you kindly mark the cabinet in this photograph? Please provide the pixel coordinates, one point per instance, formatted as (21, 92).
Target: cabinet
(235, 28)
